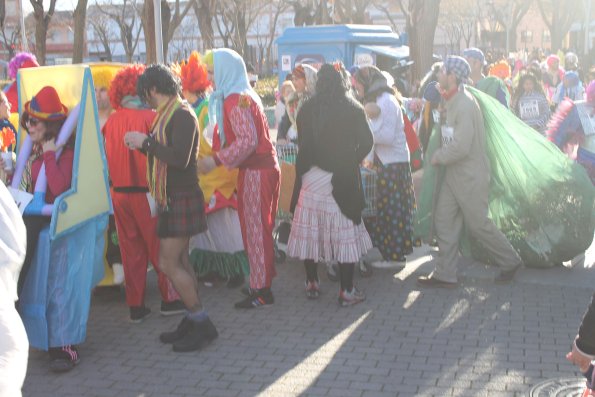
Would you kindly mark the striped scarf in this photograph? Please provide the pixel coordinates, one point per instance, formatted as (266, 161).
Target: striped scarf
(157, 169)
(27, 178)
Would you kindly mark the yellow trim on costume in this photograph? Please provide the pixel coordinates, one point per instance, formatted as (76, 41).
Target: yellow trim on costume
(221, 179)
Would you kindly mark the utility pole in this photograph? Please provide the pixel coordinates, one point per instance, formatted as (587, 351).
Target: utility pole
(588, 4)
(158, 31)
(24, 44)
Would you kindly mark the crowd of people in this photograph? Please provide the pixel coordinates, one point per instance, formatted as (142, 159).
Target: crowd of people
(195, 179)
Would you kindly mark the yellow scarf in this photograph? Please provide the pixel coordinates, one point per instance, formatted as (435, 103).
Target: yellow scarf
(157, 169)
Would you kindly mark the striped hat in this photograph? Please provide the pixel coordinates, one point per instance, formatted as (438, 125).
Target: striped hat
(46, 105)
(458, 66)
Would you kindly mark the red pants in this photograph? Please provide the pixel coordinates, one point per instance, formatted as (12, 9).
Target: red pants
(258, 196)
(137, 234)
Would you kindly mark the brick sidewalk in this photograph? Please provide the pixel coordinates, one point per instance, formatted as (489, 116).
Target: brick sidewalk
(479, 340)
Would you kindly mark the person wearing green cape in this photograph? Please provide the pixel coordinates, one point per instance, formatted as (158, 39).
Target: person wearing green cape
(463, 195)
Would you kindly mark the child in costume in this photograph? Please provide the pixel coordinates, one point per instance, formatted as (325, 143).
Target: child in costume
(219, 251)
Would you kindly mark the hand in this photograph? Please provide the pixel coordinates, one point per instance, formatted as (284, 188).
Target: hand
(367, 164)
(134, 140)
(434, 160)
(281, 141)
(579, 359)
(206, 165)
(49, 146)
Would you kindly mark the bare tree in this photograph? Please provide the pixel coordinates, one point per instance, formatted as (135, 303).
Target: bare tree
(458, 19)
(350, 11)
(10, 34)
(42, 22)
(102, 32)
(234, 20)
(422, 18)
(558, 16)
(125, 16)
(204, 10)
(182, 44)
(80, 24)
(265, 40)
(172, 20)
(386, 11)
(509, 14)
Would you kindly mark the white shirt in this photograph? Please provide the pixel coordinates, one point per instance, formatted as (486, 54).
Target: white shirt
(390, 143)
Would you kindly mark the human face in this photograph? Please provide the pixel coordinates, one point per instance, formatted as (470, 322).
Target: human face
(475, 64)
(299, 84)
(36, 129)
(4, 108)
(211, 75)
(101, 94)
(528, 86)
(443, 79)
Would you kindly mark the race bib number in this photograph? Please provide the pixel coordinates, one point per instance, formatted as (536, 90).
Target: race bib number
(529, 109)
(447, 135)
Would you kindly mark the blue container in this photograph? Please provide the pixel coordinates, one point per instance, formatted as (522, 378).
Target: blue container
(352, 44)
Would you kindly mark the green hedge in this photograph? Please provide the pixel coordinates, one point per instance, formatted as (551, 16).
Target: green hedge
(265, 87)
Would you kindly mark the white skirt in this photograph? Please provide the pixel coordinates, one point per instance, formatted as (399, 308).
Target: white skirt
(222, 235)
(319, 230)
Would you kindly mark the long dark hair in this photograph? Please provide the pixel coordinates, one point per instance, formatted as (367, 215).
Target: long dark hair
(332, 89)
(519, 90)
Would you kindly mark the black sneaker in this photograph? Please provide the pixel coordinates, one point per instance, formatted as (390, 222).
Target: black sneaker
(139, 313)
(180, 331)
(172, 308)
(63, 359)
(198, 335)
(257, 298)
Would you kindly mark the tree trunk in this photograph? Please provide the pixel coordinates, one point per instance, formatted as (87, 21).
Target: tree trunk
(204, 10)
(421, 26)
(165, 22)
(80, 22)
(148, 19)
(42, 21)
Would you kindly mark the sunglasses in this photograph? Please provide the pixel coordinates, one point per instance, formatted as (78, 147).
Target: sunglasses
(32, 122)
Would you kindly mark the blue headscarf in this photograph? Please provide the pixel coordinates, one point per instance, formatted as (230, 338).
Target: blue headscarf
(230, 78)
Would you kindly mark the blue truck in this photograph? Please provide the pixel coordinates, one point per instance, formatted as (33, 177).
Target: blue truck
(352, 44)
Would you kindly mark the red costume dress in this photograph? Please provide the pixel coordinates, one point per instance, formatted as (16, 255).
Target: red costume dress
(137, 230)
(249, 148)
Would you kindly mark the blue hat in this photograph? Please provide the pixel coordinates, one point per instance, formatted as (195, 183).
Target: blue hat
(431, 93)
(475, 53)
(458, 66)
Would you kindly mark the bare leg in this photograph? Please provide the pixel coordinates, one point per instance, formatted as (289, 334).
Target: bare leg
(171, 261)
(187, 266)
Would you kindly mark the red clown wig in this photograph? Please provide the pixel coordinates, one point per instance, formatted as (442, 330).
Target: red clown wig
(124, 84)
(193, 74)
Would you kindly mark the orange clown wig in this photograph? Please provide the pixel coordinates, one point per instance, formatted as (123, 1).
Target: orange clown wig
(193, 74)
(124, 84)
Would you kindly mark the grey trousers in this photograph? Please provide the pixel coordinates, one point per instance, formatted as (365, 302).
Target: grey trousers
(456, 207)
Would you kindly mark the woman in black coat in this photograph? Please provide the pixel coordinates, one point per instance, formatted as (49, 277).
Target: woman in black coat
(328, 197)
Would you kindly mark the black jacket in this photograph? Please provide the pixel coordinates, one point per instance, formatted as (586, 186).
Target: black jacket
(335, 138)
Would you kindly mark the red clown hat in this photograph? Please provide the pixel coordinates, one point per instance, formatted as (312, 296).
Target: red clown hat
(46, 105)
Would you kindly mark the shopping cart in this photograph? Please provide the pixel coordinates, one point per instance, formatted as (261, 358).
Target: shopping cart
(286, 155)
